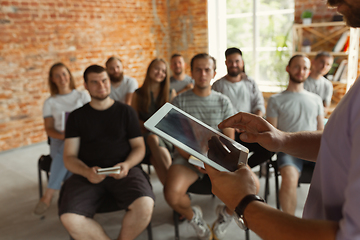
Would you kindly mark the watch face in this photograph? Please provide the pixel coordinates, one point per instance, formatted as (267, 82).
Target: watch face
(240, 222)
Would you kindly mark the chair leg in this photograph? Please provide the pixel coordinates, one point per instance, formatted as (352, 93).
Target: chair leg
(176, 225)
(247, 234)
(149, 231)
(40, 182)
(267, 190)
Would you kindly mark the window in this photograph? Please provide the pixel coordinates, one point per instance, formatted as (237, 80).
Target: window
(261, 29)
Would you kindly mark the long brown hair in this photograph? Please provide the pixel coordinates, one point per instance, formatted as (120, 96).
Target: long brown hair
(144, 91)
(53, 88)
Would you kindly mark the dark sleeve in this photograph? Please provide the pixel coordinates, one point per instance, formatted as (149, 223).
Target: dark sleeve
(71, 129)
(133, 126)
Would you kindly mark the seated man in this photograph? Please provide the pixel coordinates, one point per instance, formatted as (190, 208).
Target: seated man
(179, 80)
(294, 110)
(210, 107)
(122, 86)
(245, 96)
(104, 133)
(316, 82)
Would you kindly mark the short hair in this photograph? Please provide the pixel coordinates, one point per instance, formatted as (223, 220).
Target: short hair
(323, 54)
(296, 56)
(176, 55)
(53, 87)
(112, 58)
(202, 56)
(232, 50)
(93, 69)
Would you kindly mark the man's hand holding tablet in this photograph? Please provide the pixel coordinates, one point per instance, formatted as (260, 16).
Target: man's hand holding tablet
(192, 136)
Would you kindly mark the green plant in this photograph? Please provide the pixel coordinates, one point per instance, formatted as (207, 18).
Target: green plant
(306, 14)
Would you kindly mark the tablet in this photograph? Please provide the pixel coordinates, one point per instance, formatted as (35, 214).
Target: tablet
(192, 135)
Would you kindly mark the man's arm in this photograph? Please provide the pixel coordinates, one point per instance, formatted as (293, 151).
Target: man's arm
(256, 129)
(320, 122)
(134, 158)
(267, 222)
(75, 165)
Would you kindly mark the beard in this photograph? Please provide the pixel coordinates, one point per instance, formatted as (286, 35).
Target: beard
(351, 17)
(295, 80)
(116, 79)
(234, 72)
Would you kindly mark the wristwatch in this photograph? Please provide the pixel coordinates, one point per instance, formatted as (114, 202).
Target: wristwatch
(239, 210)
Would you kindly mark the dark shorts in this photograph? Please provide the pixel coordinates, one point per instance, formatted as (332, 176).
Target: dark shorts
(81, 197)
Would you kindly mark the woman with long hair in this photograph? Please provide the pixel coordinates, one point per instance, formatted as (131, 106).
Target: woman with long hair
(63, 100)
(152, 95)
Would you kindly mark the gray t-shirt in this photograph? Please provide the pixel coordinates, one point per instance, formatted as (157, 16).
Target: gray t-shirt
(321, 87)
(295, 111)
(244, 95)
(180, 85)
(211, 110)
(127, 85)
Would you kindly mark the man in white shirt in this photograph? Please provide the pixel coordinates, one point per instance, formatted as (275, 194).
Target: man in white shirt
(316, 82)
(122, 86)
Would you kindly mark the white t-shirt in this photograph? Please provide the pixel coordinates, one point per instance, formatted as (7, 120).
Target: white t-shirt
(57, 106)
(295, 111)
(180, 85)
(321, 87)
(245, 95)
(334, 193)
(127, 85)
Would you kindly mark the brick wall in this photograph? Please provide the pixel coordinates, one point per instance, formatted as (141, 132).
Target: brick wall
(321, 12)
(188, 28)
(37, 33)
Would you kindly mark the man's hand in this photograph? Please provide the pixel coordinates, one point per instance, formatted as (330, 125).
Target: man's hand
(232, 187)
(93, 177)
(124, 170)
(256, 129)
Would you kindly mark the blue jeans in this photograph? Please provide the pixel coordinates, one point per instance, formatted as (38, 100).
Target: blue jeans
(58, 172)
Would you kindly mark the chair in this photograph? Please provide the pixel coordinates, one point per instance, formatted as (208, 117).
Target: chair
(44, 164)
(305, 177)
(202, 187)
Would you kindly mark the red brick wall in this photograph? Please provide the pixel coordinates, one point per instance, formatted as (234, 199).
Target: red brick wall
(188, 28)
(37, 33)
(321, 12)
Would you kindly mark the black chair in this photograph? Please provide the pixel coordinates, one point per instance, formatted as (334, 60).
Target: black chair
(44, 164)
(202, 187)
(305, 177)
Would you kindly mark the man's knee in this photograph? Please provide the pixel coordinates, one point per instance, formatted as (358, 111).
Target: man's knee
(143, 206)
(290, 175)
(72, 221)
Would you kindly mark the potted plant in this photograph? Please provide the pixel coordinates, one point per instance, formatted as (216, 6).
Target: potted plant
(307, 16)
(306, 46)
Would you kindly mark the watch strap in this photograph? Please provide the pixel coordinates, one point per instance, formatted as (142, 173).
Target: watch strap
(245, 202)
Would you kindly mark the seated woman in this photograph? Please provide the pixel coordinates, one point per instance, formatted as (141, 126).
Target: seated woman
(154, 93)
(63, 100)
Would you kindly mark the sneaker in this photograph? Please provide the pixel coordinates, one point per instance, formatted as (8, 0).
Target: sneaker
(40, 208)
(221, 223)
(202, 229)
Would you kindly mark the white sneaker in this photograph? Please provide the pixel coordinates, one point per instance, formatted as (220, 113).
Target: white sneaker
(221, 223)
(202, 229)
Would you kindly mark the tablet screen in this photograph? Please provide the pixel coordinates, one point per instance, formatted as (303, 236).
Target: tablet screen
(195, 136)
